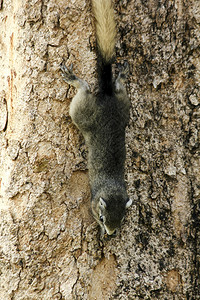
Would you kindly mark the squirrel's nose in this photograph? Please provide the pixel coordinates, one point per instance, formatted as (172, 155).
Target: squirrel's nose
(114, 233)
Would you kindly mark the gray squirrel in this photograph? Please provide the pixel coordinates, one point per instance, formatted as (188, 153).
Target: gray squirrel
(102, 120)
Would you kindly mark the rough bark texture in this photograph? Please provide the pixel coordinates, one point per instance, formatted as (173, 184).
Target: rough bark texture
(48, 239)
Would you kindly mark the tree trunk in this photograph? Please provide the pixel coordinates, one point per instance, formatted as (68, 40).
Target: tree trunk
(49, 246)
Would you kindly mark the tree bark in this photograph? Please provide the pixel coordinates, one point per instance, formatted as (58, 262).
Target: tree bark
(49, 246)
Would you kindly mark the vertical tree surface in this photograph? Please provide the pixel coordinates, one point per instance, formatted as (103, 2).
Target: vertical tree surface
(49, 246)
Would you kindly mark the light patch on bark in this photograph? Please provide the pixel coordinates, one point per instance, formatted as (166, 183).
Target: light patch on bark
(181, 207)
(103, 280)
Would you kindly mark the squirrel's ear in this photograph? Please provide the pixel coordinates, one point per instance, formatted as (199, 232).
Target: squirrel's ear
(128, 203)
(102, 203)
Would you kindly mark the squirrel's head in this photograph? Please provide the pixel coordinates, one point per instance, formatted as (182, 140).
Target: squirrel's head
(109, 210)
(112, 212)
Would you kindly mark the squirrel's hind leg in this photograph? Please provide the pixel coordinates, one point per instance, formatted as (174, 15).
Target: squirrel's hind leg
(121, 78)
(71, 78)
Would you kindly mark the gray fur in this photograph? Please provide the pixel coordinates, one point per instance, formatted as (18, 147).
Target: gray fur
(102, 119)
(103, 124)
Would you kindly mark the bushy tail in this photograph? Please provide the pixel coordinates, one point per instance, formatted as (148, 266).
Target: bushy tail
(105, 34)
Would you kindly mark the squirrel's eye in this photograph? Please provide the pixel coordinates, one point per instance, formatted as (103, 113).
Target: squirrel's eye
(101, 218)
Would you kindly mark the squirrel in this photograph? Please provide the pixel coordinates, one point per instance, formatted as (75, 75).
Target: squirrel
(102, 120)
